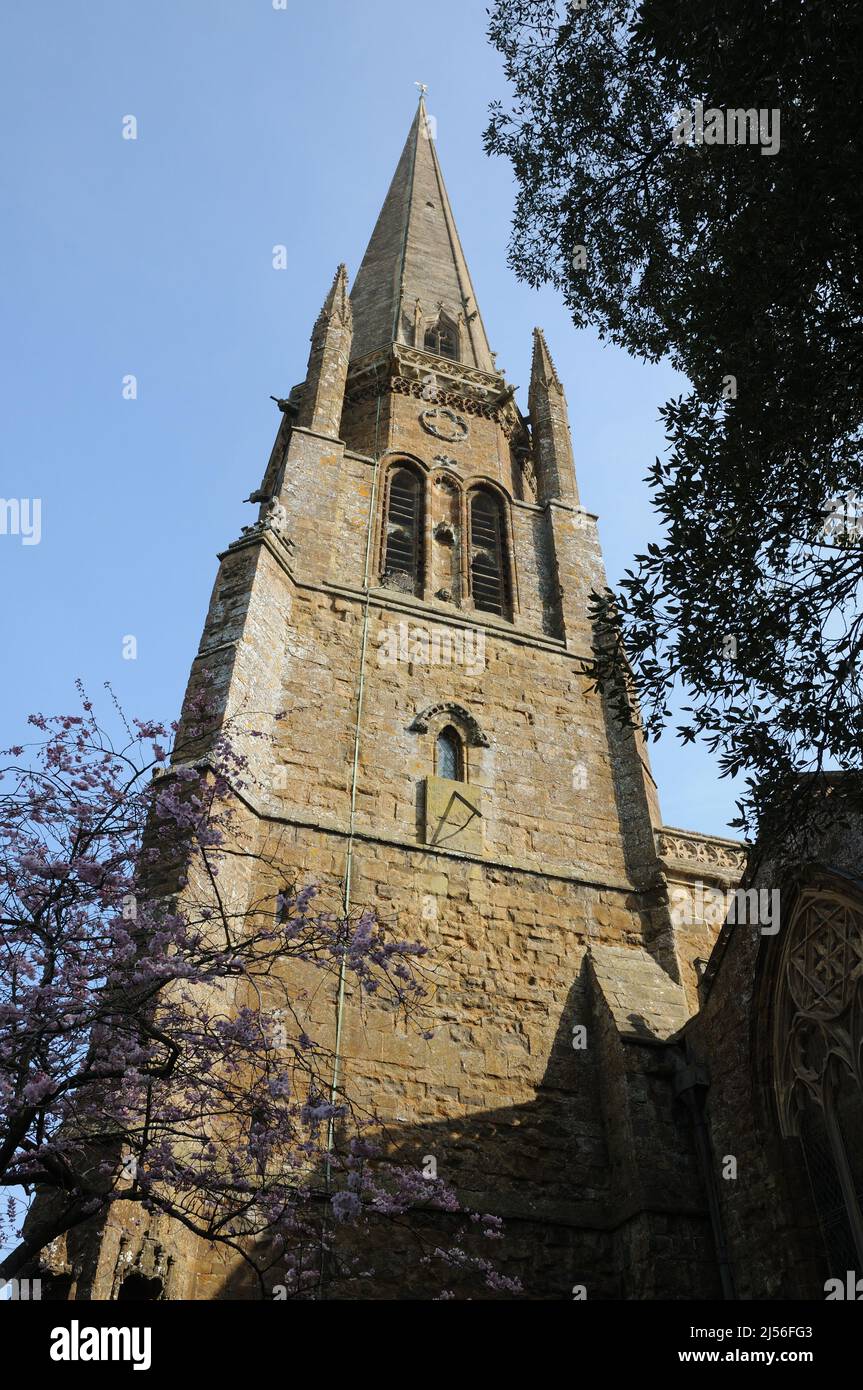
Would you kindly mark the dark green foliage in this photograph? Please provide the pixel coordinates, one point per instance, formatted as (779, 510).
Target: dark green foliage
(732, 263)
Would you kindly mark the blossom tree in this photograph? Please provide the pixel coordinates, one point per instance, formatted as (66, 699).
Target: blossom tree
(152, 1050)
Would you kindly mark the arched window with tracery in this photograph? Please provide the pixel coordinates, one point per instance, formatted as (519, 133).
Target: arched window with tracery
(818, 1059)
(489, 577)
(449, 755)
(403, 531)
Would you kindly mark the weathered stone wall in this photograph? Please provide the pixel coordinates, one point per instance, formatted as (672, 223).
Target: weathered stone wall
(702, 873)
(509, 1109)
(775, 1246)
(581, 1148)
(766, 1210)
(515, 1116)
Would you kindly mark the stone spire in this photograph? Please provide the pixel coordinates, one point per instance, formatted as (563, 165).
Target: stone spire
(323, 395)
(552, 442)
(414, 274)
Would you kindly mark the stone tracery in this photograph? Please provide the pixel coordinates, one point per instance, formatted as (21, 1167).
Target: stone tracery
(818, 1054)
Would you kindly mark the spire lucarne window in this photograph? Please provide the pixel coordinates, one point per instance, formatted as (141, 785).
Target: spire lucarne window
(404, 528)
(440, 338)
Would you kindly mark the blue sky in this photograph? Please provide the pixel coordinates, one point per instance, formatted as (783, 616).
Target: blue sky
(256, 126)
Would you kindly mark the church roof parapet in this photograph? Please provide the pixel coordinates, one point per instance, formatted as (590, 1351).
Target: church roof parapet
(437, 380)
(693, 852)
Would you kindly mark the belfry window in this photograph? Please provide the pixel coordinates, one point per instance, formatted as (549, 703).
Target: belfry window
(449, 755)
(487, 554)
(404, 530)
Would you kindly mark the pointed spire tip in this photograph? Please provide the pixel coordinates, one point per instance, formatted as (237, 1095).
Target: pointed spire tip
(337, 299)
(543, 362)
(414, 261)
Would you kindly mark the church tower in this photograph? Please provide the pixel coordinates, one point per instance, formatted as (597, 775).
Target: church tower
(408, 621)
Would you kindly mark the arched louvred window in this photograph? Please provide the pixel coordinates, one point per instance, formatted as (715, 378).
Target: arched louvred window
(449, 755)
(404, 530)
(488, 555)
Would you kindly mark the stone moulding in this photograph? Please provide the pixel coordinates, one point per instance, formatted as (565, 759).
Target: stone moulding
(414, 363)
(696, 851)
(420, 724)
(460, 372)
(445, 424)
(403, 370)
